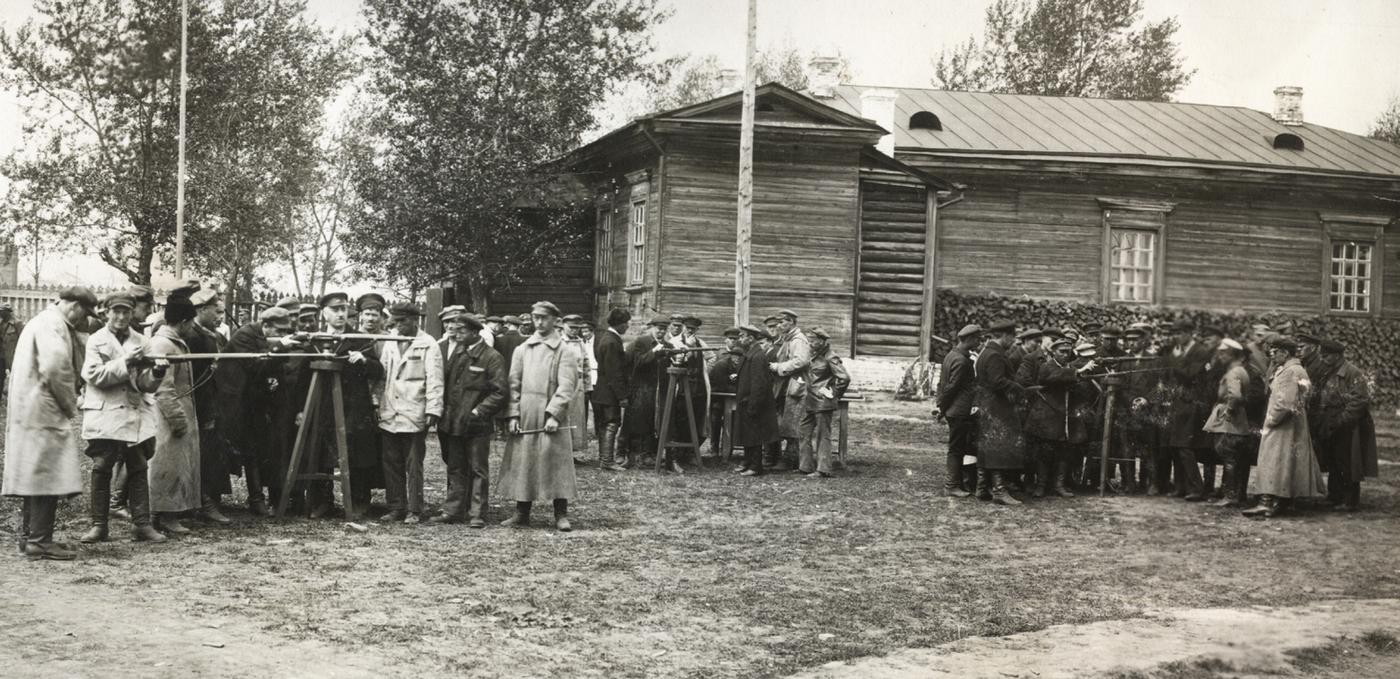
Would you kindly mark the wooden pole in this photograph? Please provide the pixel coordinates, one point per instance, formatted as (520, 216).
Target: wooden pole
(180, 161)
(744, 235)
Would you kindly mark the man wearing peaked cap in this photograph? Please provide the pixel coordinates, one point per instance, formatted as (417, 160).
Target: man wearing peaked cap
(1342, 426)
(792, 354)
(610, 391)
(308, 318)
(452, 312)
(491, 328)
(957, 388)
(1000, 441)
(646, 368)
(204, 338)
(475, 386)
(1229, 422)
(1191, 394)
(371, 317)
(723, 373)
(1109, 342)
(410, 405)
(577, 412)
(1027, 345)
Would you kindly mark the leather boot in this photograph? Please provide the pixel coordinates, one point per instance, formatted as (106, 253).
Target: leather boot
(119, 497)
(138, 500)
(1127, 472)
(1042, 480)
(210, 512)
(984, 485)
(561, 515)
(170, 523)
(952, 481)
(1000, 494)
(1228, 487)
(1267, 507)
(521, 518)
(100, 487)
(1208, 489)
(1062, 479)
(607, 449)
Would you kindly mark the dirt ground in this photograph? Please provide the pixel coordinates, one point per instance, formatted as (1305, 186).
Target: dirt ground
(702, 575)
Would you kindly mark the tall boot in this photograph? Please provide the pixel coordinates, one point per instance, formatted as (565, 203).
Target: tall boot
(138, 502)
(1000, 494)
(1189, 479)
(1062, 479)
(607, 448)
(521, 518)
(119, 476)
(1128, 472)
(984, 484)
(1242, 483)
(100, 487)
(1208, 480)
(952, 482)
(1228, 486)
(1267, 507)
(1042, 479)
(209, 511)
(561, 515)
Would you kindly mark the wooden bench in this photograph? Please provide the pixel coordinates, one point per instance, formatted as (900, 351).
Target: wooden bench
(843, 424)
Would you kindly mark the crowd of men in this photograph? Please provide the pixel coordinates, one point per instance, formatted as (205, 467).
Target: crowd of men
(176, 405)
(1272, 413)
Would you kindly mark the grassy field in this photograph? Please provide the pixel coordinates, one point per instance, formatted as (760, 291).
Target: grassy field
(713, 575)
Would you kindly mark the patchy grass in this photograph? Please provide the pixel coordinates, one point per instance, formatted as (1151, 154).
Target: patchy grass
(714, 575)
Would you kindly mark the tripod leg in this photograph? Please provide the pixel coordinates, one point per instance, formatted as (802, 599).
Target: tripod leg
(662, 433)
(304, 435)
(690, 418)
(338, 402)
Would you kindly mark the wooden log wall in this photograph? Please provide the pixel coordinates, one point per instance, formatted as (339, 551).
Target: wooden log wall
(804, 233)
(1234, 240)
(892, 257)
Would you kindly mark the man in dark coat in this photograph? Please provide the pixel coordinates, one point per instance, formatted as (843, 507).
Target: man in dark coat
(1185, 404)
(1136, 412)
(203, 339)
(645, 365)
(723, 373)
(362, 371)
(611, 392)
(475, 389)
(1344, 433)
(245, 390)
(756, 418)
(1027, 346)
(1053, 428)
(957, 387)
(513, 337)
(1000, 443)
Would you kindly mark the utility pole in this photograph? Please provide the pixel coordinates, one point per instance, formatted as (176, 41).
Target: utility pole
(744, 237)
(180, 162)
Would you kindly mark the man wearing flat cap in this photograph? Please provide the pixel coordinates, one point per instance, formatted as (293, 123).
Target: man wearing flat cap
(1025, 358)
(1184, 411)
(203, 338)
(411, 404)
(248, 400)
(792, 354)
(756, 411)
(173, 472)
(577, 414)
(1343, 431)
(957, 387)
(723, 373)
(646, 366)
(475, 388)
(1000, 441)
(538, 463)
(119, 413)
(41, 459)
(611, 393)
(145, 299)
(698, 380)
(827, 381)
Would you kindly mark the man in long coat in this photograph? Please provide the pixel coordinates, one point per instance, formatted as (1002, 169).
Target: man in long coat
(645, 365)
(610, 394)
(1345, 434)
(474, 390)
(1053, 428)
(1287, 466)
(205, 339)
(793, 355)
(1000, 442)
(538, 462)
(756, 415)
(173, 471)
(957, 387)
(42, 464)
(119, 418)
(1183, 406)
(244, 400)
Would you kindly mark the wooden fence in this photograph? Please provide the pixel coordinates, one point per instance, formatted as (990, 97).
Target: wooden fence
(30, 300)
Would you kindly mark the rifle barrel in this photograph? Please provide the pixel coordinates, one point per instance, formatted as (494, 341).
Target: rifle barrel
(234, 355)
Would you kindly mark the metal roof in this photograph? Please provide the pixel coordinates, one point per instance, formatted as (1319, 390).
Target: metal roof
(1077, 127)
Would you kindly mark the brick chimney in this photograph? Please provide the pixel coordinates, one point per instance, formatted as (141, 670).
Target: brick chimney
(1288, 105)
(877, 105)
(823, 75)
(729, 80)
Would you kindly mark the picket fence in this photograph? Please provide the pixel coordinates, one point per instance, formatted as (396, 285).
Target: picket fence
(28, 300)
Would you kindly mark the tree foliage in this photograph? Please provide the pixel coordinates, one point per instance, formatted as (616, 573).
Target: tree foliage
(700, 78)
(1387, 126)
(475, 97)
(1078, 48)
(100, 82)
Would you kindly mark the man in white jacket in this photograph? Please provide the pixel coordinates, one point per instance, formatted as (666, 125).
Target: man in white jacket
(410, 405)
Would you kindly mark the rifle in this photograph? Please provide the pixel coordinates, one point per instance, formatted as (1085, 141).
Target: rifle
(332, 337)
(175, 358)
(688, 350)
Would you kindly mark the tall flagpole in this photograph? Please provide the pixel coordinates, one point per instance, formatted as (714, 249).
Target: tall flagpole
(180, 162)
(744, 235)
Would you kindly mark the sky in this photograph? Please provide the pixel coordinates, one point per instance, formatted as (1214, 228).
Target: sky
(1345, 54)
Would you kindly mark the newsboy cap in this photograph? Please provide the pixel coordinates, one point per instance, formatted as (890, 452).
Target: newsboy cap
(731, 332)
(83, 296)
(274, 314)
(404, 308)
(693, 322)
(452, 312)
(289, 303)
(204, 297)
(142, 293)
(1030, 334)
(307, 309)
(788, 312)
(819, 332)
(970, 330)
(1002, 325)
(756, 331)
(1331, 346)
(618, 316)
(543, 307)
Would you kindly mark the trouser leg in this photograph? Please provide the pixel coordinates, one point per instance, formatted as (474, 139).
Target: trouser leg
(417, 448)
(717, 428)
(118, 475)
(606, 420)
(395, 463)
(478, 454)
(959, 443)
(753, 458)
(823, 441)
(806, 454)
(106, 455)
(1190, 475)
(42, 510)
(454, 456)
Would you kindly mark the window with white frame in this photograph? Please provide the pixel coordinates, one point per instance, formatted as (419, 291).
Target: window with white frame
(603, 268)
(1133, 262)
(637, 243)
(1349, 280)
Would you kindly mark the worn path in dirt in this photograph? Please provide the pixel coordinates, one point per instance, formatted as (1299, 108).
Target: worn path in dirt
(1254, 639)
(77, 630)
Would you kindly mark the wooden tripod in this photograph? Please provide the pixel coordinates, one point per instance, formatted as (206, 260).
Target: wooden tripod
(676, 381)
(324, 373)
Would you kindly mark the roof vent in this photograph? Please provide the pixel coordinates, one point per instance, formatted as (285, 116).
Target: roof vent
(823, 75)
(1288, 140)
(925, 120)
